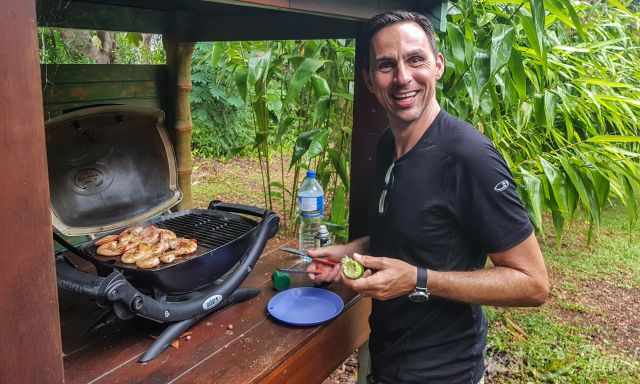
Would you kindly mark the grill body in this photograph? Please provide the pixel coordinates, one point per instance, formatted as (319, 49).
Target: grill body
(222, 239)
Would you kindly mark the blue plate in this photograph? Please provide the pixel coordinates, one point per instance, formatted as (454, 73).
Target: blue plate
(305, 306)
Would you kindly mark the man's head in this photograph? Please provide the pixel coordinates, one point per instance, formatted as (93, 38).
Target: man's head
(403, 65)
(382, 20)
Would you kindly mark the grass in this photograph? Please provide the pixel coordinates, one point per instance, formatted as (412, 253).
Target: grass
(569, 339)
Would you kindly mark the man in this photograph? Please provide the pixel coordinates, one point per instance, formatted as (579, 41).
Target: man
(444, 201)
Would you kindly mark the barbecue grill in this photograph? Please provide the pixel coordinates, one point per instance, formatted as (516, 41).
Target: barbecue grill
(112, 167)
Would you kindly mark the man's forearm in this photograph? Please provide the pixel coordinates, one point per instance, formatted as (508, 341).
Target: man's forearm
(518, 278)
(499, 286)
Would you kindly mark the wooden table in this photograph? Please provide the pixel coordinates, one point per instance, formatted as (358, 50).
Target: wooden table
(239, 344)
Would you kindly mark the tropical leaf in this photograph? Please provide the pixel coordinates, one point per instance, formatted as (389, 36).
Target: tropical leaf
(303, 73)
(501, 44)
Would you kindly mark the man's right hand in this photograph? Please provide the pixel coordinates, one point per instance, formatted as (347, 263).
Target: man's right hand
(323, 272)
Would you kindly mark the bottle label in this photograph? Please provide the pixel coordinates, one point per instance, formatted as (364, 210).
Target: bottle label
(311, 206)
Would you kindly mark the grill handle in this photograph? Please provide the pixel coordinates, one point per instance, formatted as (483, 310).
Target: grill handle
(70, 279)
(237, 208)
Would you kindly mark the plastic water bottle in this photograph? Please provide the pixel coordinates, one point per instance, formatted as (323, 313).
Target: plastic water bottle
(311, 210)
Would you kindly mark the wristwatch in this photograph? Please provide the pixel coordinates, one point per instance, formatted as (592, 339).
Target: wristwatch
(421, 293)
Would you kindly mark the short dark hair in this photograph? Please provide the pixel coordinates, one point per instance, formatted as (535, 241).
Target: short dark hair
(376, 23)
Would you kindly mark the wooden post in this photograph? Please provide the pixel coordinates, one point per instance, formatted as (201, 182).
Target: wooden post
(179, 61)
(369, 121)
(31, 346)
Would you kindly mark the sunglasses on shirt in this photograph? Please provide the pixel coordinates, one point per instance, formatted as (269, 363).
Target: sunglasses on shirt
(385, 195)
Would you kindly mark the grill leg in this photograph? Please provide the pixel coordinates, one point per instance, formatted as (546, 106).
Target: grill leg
(174, 330)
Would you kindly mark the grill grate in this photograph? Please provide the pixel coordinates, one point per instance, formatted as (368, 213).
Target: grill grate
(210, 231)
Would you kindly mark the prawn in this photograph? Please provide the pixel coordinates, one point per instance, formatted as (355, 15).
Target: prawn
(168, 257)
(110, 249)
(182, 246)
(150, 234)
(149, 262)
(142, 252)
(106, 239)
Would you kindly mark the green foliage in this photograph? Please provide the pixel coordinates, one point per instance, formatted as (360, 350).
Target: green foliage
(220, 119)
(131, 49)
(53, 49)
(297, 102)
(553, 85)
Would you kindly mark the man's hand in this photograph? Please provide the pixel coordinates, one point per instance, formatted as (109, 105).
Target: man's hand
(384, 278)
(323, 272)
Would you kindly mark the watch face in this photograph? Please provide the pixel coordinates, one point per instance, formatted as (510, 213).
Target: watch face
(418, 297)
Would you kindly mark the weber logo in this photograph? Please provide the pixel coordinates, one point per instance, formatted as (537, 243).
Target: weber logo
(211, 302)
(501, 186)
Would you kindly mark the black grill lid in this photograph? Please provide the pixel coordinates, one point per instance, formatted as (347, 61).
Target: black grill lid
(109, 167)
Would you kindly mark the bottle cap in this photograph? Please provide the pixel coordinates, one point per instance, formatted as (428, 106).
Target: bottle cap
(323, 230)
(311, 173)
(280, 280)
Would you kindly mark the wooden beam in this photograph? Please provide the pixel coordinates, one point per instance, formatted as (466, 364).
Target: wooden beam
(179, 61)
(277, 26)
(357, 10)
(70, 86)
(369, 121)
(228, 19)
(95, 16)
(30, 327)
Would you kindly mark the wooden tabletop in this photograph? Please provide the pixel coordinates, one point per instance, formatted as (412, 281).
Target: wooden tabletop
(238, 344)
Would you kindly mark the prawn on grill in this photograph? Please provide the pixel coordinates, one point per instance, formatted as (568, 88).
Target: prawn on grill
(182, 246)
(168, 257)
(142, 252)
(150, 234)
(106, 239)
(110, 249)
(148, 263)
(166, 234)
(159, 247)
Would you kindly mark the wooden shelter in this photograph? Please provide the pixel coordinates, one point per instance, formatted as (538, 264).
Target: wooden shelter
(31, 347)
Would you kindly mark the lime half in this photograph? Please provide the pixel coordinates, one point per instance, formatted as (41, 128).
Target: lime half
(352, 268)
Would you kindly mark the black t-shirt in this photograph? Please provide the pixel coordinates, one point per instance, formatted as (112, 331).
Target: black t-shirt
(451, 200)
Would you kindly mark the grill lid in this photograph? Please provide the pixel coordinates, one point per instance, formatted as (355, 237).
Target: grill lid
(109, 167)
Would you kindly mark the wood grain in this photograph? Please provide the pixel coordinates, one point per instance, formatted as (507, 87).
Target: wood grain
(30, 332)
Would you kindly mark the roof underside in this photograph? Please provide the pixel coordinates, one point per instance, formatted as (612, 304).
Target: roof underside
(209, 20)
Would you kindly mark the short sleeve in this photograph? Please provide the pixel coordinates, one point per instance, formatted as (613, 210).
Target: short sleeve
(488, 205)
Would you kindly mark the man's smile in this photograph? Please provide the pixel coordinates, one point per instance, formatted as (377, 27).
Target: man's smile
(405, 99)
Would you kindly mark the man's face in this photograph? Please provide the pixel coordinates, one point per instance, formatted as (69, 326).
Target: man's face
(403, 72)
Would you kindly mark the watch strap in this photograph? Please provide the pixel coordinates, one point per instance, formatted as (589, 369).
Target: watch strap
(422, 278)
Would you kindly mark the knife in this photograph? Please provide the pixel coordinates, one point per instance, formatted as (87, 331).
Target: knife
(303, 253)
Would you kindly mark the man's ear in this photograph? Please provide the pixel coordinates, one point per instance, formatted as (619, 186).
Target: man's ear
(367, 79)
(440, 65)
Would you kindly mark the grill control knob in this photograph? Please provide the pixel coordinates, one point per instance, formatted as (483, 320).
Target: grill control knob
(137, 303)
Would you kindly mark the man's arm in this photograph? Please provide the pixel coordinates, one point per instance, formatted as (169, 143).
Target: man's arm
(518, 278)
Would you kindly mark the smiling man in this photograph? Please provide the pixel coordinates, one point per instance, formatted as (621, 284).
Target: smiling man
(444, 200)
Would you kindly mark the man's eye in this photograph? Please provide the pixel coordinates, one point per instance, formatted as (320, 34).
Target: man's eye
(385, 66)
(416, 60)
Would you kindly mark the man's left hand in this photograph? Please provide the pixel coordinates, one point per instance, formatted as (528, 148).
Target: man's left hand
(384, 279)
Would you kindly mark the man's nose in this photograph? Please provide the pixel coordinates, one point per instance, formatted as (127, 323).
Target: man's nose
(402, 75)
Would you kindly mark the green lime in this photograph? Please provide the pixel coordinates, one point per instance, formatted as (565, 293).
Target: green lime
(352, 268)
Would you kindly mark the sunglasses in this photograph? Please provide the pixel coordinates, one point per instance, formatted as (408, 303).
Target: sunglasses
(385, 195)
